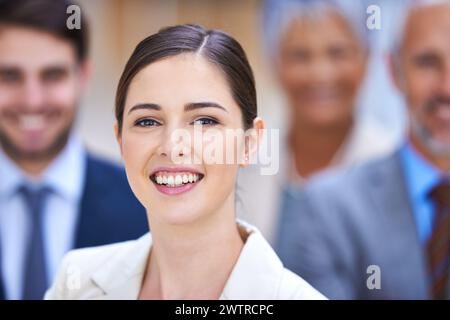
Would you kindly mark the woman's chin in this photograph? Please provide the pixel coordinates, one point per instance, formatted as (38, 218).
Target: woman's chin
(177, 215)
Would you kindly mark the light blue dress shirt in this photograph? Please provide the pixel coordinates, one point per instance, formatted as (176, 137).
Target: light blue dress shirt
(65, 176)
(421, 176)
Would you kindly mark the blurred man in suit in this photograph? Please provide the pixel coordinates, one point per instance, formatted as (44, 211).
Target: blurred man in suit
(382, 229)
(54, 195)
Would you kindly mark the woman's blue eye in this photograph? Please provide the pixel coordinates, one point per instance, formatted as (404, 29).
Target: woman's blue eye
(147, 123)
(205, 122)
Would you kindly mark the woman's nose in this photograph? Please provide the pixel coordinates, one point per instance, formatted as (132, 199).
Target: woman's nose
(175, 143)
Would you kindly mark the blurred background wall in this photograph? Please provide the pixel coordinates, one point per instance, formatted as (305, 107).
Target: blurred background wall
(118, 25)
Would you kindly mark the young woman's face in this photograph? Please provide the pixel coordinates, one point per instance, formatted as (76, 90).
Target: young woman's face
(170, 98)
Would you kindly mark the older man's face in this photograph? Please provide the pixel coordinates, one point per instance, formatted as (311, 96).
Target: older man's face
(424, 76)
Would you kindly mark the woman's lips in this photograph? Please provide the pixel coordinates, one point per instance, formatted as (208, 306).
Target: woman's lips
(173, 182)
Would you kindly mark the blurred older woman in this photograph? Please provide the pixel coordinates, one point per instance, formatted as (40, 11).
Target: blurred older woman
(319, 53)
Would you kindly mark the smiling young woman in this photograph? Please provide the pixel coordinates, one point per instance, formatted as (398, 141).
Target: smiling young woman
(181, 79)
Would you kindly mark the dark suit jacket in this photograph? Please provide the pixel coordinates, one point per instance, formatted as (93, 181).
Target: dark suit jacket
(351, 220)
(109, 211)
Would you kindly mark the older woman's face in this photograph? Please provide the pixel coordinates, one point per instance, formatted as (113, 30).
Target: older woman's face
(168, 102)
(321, 65)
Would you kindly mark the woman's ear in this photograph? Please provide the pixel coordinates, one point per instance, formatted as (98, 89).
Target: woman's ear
(253, 137)
(118, 136)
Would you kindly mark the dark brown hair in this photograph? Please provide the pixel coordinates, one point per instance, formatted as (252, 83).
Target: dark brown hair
(48, 16)
(216, 46)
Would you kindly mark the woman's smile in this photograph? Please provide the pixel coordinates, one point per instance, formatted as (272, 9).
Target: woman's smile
(174, 181)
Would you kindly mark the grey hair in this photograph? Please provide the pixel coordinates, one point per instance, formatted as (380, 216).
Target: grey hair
(279, 14)
(400, 24)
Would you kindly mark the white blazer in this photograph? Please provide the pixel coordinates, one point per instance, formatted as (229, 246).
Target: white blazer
(116, 272)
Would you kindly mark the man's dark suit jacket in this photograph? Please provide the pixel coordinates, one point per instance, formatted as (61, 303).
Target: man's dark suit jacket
(109, 211)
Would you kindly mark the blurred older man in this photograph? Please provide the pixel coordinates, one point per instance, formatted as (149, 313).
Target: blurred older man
(382, 230)
(54, 195)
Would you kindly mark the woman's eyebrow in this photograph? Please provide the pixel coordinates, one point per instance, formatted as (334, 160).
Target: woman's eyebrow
(145, 106)
(199, 105)
(187, 107)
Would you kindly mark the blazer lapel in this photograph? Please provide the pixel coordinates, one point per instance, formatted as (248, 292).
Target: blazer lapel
(122, 280)
(257, 272)
(400, 238)
(87, 229)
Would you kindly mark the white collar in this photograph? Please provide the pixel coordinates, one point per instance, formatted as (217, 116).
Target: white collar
(258, 271)
(258, 267)
(65, 175)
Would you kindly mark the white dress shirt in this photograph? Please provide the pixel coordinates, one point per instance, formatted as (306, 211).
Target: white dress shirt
(116, 272)
(65, 176)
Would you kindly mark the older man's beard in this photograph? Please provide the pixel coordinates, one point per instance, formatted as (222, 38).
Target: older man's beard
(438, 148)
(47, 154)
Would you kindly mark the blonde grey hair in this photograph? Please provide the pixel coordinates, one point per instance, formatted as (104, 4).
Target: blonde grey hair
(279, 14)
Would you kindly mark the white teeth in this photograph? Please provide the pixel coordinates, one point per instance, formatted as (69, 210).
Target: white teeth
(32, 122)
(176, 180)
